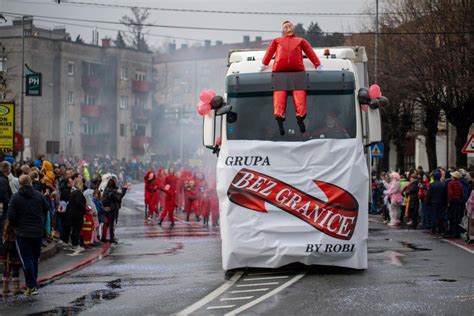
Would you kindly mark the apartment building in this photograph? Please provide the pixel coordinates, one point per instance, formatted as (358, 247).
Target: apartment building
(95, 99)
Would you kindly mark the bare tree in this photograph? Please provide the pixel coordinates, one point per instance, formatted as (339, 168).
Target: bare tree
(136, 24)
(436, 38)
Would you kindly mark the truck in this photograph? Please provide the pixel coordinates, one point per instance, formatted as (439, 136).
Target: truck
(300, 197)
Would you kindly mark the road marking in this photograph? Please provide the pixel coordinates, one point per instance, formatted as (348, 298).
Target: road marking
(220, 307)
(252, 290)
(457, 245)
(236, 298)
(265, 296)
(267, 278)
(257, 284)
(267, 273)
(394, 257)
(221, 289)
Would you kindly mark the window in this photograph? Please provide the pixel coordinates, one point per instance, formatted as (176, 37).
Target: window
(70, 68)
(70, 97)
(330, 116)
(123, 102)
(70, 127)
(140, 75)
(123, 130)
(88, 127)
(89, 99)
(3, 64)
(124, 73)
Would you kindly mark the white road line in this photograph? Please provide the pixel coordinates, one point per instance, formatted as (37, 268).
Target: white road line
(252, 290)
(236, 298)
(267, 273)
(265, 296)
(457, 245)
(267, 278)
(220, 307)
(221, 289)
(257, 284)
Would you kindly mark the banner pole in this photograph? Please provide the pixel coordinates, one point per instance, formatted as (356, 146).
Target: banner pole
(22, 80)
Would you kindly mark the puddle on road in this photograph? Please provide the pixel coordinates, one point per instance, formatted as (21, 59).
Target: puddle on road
(414, 247)
(86, 301)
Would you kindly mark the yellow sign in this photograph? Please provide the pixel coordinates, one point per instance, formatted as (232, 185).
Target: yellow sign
(7, 126)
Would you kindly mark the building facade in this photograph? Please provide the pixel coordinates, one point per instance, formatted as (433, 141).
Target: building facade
(95, 99)
(180, 75)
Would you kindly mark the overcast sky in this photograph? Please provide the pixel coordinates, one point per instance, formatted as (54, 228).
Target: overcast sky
(48, 8)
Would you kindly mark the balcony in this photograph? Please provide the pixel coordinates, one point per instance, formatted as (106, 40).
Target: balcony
(89, 140)
(91, 83)
(141, 115)
(90, 110)
(140, 86)
(139, 141)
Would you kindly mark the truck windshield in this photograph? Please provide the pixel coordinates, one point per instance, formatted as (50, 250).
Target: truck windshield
(330, 116)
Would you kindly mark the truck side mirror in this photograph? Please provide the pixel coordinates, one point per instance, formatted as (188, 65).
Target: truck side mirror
(375, 125)
(209, 129)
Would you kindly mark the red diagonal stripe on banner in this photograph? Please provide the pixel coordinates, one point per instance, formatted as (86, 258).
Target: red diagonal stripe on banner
(336, 217)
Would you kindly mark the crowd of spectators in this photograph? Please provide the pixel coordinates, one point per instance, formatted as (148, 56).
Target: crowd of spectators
(441, 201)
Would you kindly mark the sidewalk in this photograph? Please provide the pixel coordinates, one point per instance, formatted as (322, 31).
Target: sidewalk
(65, 261)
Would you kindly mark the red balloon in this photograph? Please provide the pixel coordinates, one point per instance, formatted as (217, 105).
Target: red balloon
(207, 95)
(203, 108)
(374, 91)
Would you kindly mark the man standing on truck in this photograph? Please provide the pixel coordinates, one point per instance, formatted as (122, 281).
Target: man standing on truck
(288, 51)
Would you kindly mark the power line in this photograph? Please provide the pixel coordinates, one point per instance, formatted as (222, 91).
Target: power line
(154, 25)
(233, 30)
(123, 6)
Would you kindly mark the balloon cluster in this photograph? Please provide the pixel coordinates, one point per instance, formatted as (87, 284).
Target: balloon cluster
(205, 97)
(372, 98)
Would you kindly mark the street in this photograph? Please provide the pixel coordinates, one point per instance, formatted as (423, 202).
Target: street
(158, 271)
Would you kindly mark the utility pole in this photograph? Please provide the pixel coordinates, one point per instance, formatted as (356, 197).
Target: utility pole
(376, 38)
(22, 81)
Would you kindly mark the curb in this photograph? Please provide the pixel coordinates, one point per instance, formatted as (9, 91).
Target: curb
(95, 256)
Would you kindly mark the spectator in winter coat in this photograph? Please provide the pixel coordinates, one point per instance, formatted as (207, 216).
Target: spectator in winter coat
(455, 204)
(5, 191)
(436, 203)
(26, 213)
(76, 210)
(394, 193)
(112, 201)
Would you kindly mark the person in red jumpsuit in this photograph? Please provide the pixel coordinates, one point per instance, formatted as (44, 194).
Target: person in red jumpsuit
(170, 204)
(191, 202)
(288, 51)
(172, 180)
(151, 194)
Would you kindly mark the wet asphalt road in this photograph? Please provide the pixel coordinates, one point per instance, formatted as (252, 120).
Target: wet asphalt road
(159, 271)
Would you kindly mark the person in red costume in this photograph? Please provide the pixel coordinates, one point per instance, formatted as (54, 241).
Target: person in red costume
(288, 51)
(172, 180)
(170, 204)
(151, 194)
(191, 199)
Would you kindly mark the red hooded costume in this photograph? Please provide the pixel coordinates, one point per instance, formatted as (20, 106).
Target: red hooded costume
(151, 193)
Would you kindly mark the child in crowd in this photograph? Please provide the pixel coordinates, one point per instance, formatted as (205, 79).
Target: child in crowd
(11, 261)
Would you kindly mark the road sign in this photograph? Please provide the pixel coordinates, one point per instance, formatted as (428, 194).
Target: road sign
(469, 146)
(33, 84)
(376, 150)
(7, 126)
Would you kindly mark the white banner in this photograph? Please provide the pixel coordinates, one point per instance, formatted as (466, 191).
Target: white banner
(285, 202)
